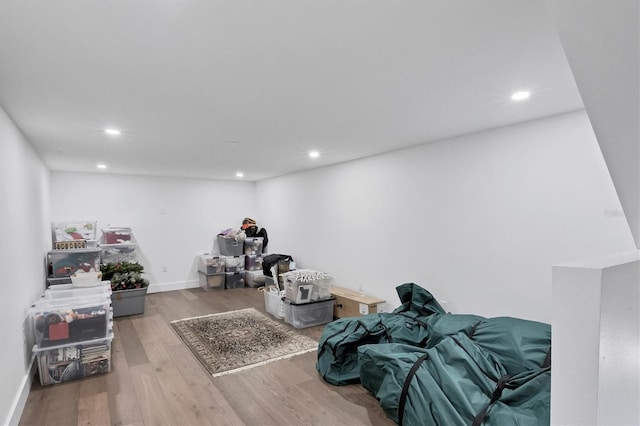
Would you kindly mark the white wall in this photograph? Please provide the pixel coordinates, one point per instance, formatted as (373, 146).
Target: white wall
(596, 342)
(477, 220)
(24, 220)
(602, 42)
(172, 218)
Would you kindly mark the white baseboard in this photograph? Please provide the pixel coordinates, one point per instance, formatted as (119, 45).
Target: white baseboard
(15, 413)
(176, 285)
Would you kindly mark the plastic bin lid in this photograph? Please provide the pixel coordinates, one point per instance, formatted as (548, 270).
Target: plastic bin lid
(109, 337)
(289, 302)
(70, 303)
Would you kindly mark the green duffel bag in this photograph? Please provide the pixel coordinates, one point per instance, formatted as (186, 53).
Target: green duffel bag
(453, 383)
(338, 346)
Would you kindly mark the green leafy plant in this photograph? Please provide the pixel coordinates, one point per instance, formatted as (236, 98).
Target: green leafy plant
(124, 275)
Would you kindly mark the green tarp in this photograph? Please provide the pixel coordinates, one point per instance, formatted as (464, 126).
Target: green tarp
(338, 346)
(427, 367)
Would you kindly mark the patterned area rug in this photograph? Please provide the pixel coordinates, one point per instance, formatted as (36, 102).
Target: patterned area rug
(238, 340)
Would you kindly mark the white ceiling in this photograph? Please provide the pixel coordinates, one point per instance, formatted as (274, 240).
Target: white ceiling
(350, 78)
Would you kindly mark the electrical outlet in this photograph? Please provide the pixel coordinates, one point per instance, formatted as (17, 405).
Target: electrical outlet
(363, 309)
(380, 308)
(360, 286)
(164, 268)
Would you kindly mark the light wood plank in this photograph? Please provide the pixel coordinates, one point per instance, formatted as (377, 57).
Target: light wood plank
(64, 409)
(179, 398)
(133, 349)
(198, 379)
(123, 404)
(150, 398)
(94, 410)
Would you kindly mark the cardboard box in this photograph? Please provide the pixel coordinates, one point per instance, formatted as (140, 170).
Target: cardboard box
(350, 303)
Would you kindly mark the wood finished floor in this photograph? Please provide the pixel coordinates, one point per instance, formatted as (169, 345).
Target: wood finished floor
(155, 379)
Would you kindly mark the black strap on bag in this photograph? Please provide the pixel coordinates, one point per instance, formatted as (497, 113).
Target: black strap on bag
(405, 387)
(495, 396)
(473, 329)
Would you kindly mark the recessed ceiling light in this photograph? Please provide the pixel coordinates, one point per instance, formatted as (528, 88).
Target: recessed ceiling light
(112, 132)
(519, 96)
(239, 174)
(101, 166)
(314, 154)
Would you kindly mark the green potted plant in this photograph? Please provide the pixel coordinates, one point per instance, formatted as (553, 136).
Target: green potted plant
(128, 286)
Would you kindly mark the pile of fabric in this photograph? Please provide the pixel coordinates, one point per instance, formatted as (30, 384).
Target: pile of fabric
(428, 367)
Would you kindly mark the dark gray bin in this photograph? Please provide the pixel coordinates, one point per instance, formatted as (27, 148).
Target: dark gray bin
(230, 246)
(234, 280)
(128, 302)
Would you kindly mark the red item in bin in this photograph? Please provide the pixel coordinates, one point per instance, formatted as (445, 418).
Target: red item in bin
(59, 331)
(114, 237)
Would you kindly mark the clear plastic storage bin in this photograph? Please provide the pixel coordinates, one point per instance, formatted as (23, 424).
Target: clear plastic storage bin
(69, 320)
(273, 302)
(253, 278)
(234, 263)
(230, 246)
(211, 264)
(73, 231)
(59, 364)
(211, 281)
(317, 289)
(114, 235)
(66, 262)
(67, 291)
(308, 314)
(114, 253)
(253, 245)
(253, 262)
(234, 280)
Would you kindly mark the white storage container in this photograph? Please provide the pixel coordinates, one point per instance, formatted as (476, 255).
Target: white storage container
(273, 302)
(305, 285)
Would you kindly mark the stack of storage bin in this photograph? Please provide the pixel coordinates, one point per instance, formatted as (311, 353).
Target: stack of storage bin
(238, 264)
(253, 276)
(234, 271)
(74, 250)
(211, 271)
(73, 332)
(118, 244)
(233, 251)
(308, 301)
